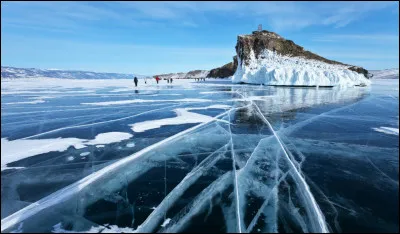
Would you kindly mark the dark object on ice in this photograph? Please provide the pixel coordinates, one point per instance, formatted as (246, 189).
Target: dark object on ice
(170, 81)
(135, 80)
(361, 85)
(157, 79)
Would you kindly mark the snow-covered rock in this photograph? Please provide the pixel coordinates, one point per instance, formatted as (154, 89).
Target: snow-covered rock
(267, 58)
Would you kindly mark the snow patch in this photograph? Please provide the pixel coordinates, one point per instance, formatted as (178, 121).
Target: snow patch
(109, 137)
(183, 117)
(19, 149)
(16, 150)
(84, 154)
(28, 102)
(122, 102)
(387, 130)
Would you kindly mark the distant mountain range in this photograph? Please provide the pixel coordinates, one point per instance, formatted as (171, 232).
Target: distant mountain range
(385, 74)
(13, 72)
(185, 75)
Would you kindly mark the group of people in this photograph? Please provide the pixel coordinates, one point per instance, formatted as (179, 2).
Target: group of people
(200, 79)
(135, 80)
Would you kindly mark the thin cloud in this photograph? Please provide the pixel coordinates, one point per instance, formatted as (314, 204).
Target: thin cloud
(382, 38)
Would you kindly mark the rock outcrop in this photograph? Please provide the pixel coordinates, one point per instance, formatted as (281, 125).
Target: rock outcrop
(225, 71)
(267, 58)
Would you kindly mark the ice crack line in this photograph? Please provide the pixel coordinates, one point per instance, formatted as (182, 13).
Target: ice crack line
(238, 217)
(321, 220)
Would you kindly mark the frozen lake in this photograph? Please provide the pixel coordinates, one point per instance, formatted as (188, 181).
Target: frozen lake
(210, 156)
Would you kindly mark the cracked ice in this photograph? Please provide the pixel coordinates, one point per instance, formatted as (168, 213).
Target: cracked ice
(209, 157)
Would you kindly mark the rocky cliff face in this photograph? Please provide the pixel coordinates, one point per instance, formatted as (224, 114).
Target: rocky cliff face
(225, 71)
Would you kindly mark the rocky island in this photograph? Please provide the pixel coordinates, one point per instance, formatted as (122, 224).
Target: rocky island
(265, 57)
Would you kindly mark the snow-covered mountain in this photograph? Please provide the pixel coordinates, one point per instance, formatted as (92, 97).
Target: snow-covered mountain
(13, 72)
(266, 58)
(185, 75)
(385, 74)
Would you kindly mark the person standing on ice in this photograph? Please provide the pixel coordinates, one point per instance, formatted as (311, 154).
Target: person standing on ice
(135, 80)
(157, 79)
(170, 81)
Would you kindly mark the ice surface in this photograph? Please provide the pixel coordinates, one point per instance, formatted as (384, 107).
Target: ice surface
(274, 69)
(252, 159)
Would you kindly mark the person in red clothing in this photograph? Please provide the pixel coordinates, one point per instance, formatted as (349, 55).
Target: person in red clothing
(157, 79)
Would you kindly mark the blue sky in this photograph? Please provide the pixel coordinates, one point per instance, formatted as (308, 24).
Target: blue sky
(162, 37)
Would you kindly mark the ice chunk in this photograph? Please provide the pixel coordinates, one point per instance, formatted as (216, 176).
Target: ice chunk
(166, 222)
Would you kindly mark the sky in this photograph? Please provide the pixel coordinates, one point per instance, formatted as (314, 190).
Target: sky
(150, 38)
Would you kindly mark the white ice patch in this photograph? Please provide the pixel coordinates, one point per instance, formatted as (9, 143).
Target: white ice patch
(183, 117)
(166, 222)
(99, 146)
(274, 69)
(387, 130)
(19, 149)
(28, 102)
(217, 106)
(99, 229)
(84, 154)
(5, 168)
(122, 102)
(109, 137)
(70, 158)
(216, 92)
(130, 145)
(16, 150)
